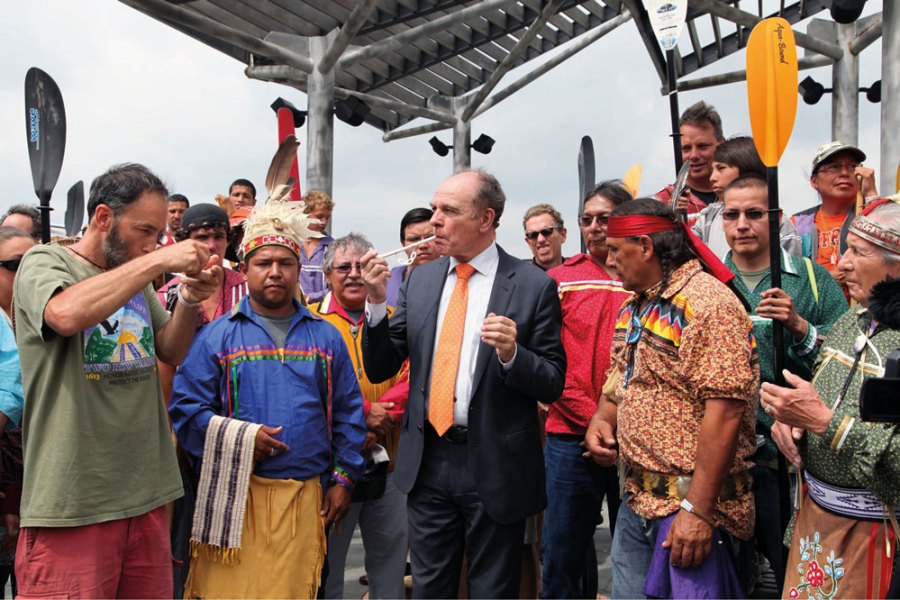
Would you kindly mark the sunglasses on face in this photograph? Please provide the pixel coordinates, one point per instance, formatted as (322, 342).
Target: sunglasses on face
(754, 214)
(588, 220)
(533, 235)
(347, 268)
(12, 264)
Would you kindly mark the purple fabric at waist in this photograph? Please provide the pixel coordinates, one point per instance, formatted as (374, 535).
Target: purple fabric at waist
(715, 578)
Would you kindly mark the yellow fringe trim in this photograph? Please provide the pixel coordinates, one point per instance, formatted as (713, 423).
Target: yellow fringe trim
(225, 556)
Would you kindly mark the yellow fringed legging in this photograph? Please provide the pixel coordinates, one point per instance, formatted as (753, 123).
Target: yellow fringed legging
(282, 546)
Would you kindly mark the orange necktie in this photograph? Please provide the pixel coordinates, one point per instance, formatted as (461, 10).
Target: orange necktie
(446, 359)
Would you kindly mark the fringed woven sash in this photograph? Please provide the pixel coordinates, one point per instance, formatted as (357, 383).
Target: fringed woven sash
(222, 490)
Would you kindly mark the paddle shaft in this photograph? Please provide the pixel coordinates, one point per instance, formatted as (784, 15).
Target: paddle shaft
(673, 107)
(44, 207)
(586, 176)
(775, 267)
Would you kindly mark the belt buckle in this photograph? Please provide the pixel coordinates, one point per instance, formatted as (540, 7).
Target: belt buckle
(456, 434)
(682, 485)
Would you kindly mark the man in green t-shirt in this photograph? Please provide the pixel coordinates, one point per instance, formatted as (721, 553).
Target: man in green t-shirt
(807, 304)
(99, 459)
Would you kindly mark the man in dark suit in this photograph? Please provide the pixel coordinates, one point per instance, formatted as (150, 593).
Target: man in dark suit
(470, 449)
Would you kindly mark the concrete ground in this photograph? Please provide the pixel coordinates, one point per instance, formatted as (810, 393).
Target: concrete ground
(602, 541)
(355, 557)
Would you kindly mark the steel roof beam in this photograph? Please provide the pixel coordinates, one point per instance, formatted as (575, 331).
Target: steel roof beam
(749, 20)
(399, 107)
(383, 18)
(807, 62)
(396, 41)
(868, 35)
(399, 134)
(205, 25)
(575, 48)
(349, 29)
(510, 60)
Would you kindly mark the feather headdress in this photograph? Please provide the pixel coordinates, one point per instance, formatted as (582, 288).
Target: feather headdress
(280, 221)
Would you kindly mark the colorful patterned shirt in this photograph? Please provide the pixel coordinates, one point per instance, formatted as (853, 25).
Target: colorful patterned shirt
(853, 453)
(590, 300)
(692, 341)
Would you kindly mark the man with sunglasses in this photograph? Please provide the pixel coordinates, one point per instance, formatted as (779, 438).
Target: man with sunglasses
(14, 243)
(807, 304)
(836, 174)
(590, 295)
(545, 233)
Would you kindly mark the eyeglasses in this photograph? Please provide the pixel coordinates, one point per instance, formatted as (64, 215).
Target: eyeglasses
(588, 220)
(835, 168)
(754, 214)
(533, 235)
(347, 268)
(12, 264)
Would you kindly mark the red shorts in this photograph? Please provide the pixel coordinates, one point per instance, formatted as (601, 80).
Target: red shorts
(126, 558)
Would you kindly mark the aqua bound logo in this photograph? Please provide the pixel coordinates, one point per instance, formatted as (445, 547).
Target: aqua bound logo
(34, 127)
(779, 31)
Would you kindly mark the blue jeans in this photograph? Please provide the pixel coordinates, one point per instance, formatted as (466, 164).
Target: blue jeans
(575, 490)
(632, 550)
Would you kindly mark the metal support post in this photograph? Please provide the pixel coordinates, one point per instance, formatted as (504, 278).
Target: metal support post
(845, 89)
(890, 97)
(320, 121)
(462, 138)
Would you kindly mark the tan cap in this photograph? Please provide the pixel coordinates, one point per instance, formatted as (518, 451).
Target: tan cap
(831, 148)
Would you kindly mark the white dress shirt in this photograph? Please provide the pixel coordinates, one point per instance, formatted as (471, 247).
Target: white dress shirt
(480, 285)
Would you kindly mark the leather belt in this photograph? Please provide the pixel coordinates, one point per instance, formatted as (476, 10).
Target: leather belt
(457, 434)
(675, 487)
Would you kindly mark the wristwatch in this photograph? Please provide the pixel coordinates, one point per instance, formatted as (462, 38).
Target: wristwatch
(686, 505)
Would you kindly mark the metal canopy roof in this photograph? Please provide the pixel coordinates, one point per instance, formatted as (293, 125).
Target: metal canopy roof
(414, 54)
(459, 46)
(443, 59)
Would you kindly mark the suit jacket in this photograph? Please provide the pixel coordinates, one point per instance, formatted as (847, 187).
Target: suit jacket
(504, 440)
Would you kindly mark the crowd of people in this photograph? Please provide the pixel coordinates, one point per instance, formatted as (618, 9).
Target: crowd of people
(205, 400)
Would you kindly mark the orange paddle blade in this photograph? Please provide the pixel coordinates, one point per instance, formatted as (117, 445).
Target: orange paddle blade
(897, 184)
(632, 179)
(772, 87)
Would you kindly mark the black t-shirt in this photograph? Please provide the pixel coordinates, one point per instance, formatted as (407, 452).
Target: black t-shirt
(707, 197)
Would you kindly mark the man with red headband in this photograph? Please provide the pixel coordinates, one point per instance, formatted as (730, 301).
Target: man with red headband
(677, 410)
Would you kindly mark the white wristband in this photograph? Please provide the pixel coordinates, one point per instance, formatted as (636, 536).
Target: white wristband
(181, 299)
(686, 505)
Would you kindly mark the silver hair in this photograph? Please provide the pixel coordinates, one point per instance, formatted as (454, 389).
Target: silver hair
(352, 241)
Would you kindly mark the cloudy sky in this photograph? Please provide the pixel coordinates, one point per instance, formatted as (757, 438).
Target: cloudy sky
(137, 90)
